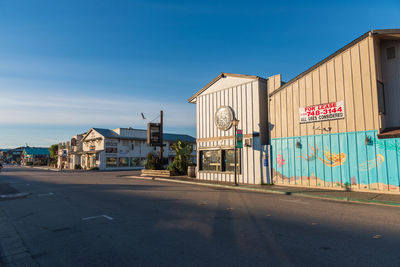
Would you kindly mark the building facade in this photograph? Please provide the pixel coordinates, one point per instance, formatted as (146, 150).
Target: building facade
(336, 124)
(226, 97)
(35, 156)
(117, 149)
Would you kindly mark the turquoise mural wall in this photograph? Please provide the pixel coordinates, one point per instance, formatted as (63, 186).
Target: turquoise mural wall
(357, 160)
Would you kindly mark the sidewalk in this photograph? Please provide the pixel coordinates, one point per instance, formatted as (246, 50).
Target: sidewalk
(331, 194)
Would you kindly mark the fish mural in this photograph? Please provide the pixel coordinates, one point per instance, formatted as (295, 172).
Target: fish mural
(312, 155)
(344, 160)
(373, 163)
(333, 159)
(280, 160)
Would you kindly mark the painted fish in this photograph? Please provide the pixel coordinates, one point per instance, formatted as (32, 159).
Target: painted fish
(373, 163)
(333, 159)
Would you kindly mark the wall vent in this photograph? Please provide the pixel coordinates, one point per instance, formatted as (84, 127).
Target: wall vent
(391, 52)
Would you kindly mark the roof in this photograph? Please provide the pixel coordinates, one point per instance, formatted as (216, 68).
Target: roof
(387, 32)
(182, 137)
(37, 151)
(223, 75)
(107, 133)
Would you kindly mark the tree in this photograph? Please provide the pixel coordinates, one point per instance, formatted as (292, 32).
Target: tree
(53, 153)
(182, 150)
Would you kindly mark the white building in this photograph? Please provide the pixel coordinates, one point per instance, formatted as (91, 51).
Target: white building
(124, 148)
(229, 96)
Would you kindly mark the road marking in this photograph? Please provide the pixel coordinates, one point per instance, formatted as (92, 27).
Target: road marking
(99, 216)
(47, 194)
(295, 201)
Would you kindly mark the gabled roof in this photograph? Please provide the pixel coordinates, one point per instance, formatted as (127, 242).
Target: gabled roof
(223, 75)
(106, 132)
(380, 33)
(37, 151)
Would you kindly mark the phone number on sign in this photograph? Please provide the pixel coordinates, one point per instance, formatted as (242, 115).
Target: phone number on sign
(324, 111)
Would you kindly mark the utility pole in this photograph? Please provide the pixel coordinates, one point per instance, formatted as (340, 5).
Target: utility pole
(160, 156)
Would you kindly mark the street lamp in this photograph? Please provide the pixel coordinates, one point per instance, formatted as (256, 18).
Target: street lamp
(235, 123)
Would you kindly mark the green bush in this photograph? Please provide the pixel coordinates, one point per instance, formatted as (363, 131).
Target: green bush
(182, 160)
(78, 167)
(153, 163)
(94, 169)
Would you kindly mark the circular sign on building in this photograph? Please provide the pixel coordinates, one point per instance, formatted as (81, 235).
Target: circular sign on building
(223, 118)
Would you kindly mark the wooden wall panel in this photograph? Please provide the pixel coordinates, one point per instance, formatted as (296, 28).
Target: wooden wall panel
(330, 68)
(317, 96)
(272, 116)
(324, 94)
(374, 70)
(309, 100)
(303, 103)
(289, 109)
(358, 90)
(366, 84)
(296, 105)
(278, 115)
(284, 121)
(349, 92)
(340, 93)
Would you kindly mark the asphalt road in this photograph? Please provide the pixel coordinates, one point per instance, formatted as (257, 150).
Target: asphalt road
(99, 219)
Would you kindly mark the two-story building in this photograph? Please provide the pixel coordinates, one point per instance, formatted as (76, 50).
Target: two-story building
(121, 148)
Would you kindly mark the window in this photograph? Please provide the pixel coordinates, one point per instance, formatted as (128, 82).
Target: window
(210, 160)
(229, 160)
(135, 162)
(111, 162)
(391, 52)
(123, 162)
(381, 98)
(219, 160)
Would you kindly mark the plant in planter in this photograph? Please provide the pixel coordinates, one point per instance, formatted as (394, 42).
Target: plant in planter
(153, 163)
(182, 160)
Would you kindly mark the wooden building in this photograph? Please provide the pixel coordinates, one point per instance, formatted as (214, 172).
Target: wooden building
(243, 97)
(337, 124)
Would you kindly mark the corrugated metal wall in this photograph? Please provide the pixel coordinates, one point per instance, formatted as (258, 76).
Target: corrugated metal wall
(244, 100)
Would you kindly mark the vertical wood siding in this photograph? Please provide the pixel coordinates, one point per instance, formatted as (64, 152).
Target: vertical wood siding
(349, 76)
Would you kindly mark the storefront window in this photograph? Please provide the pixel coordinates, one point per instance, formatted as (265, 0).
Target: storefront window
(135, 162)
(123, 162)
(219, 160)
(210, 160)
(229, 160)
(111, 162)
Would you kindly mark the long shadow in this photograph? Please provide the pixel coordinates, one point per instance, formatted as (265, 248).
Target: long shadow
(157, 227)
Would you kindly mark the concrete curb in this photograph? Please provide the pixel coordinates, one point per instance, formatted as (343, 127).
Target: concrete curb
(279, 192)
(13, 196)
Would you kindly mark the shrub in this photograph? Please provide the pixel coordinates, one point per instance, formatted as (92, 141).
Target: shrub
(153, 163)
(78, 167)
(94, 169)
(181, 161)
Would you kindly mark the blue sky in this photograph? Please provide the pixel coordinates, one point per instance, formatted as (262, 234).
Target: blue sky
(67, 66)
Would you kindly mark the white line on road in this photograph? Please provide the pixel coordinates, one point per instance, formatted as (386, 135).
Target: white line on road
(47, 194)
(99, 216)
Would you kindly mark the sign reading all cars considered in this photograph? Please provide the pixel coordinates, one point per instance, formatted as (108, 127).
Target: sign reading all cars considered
(322, 112)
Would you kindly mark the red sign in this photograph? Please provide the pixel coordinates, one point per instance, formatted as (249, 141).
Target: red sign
(322, 112)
